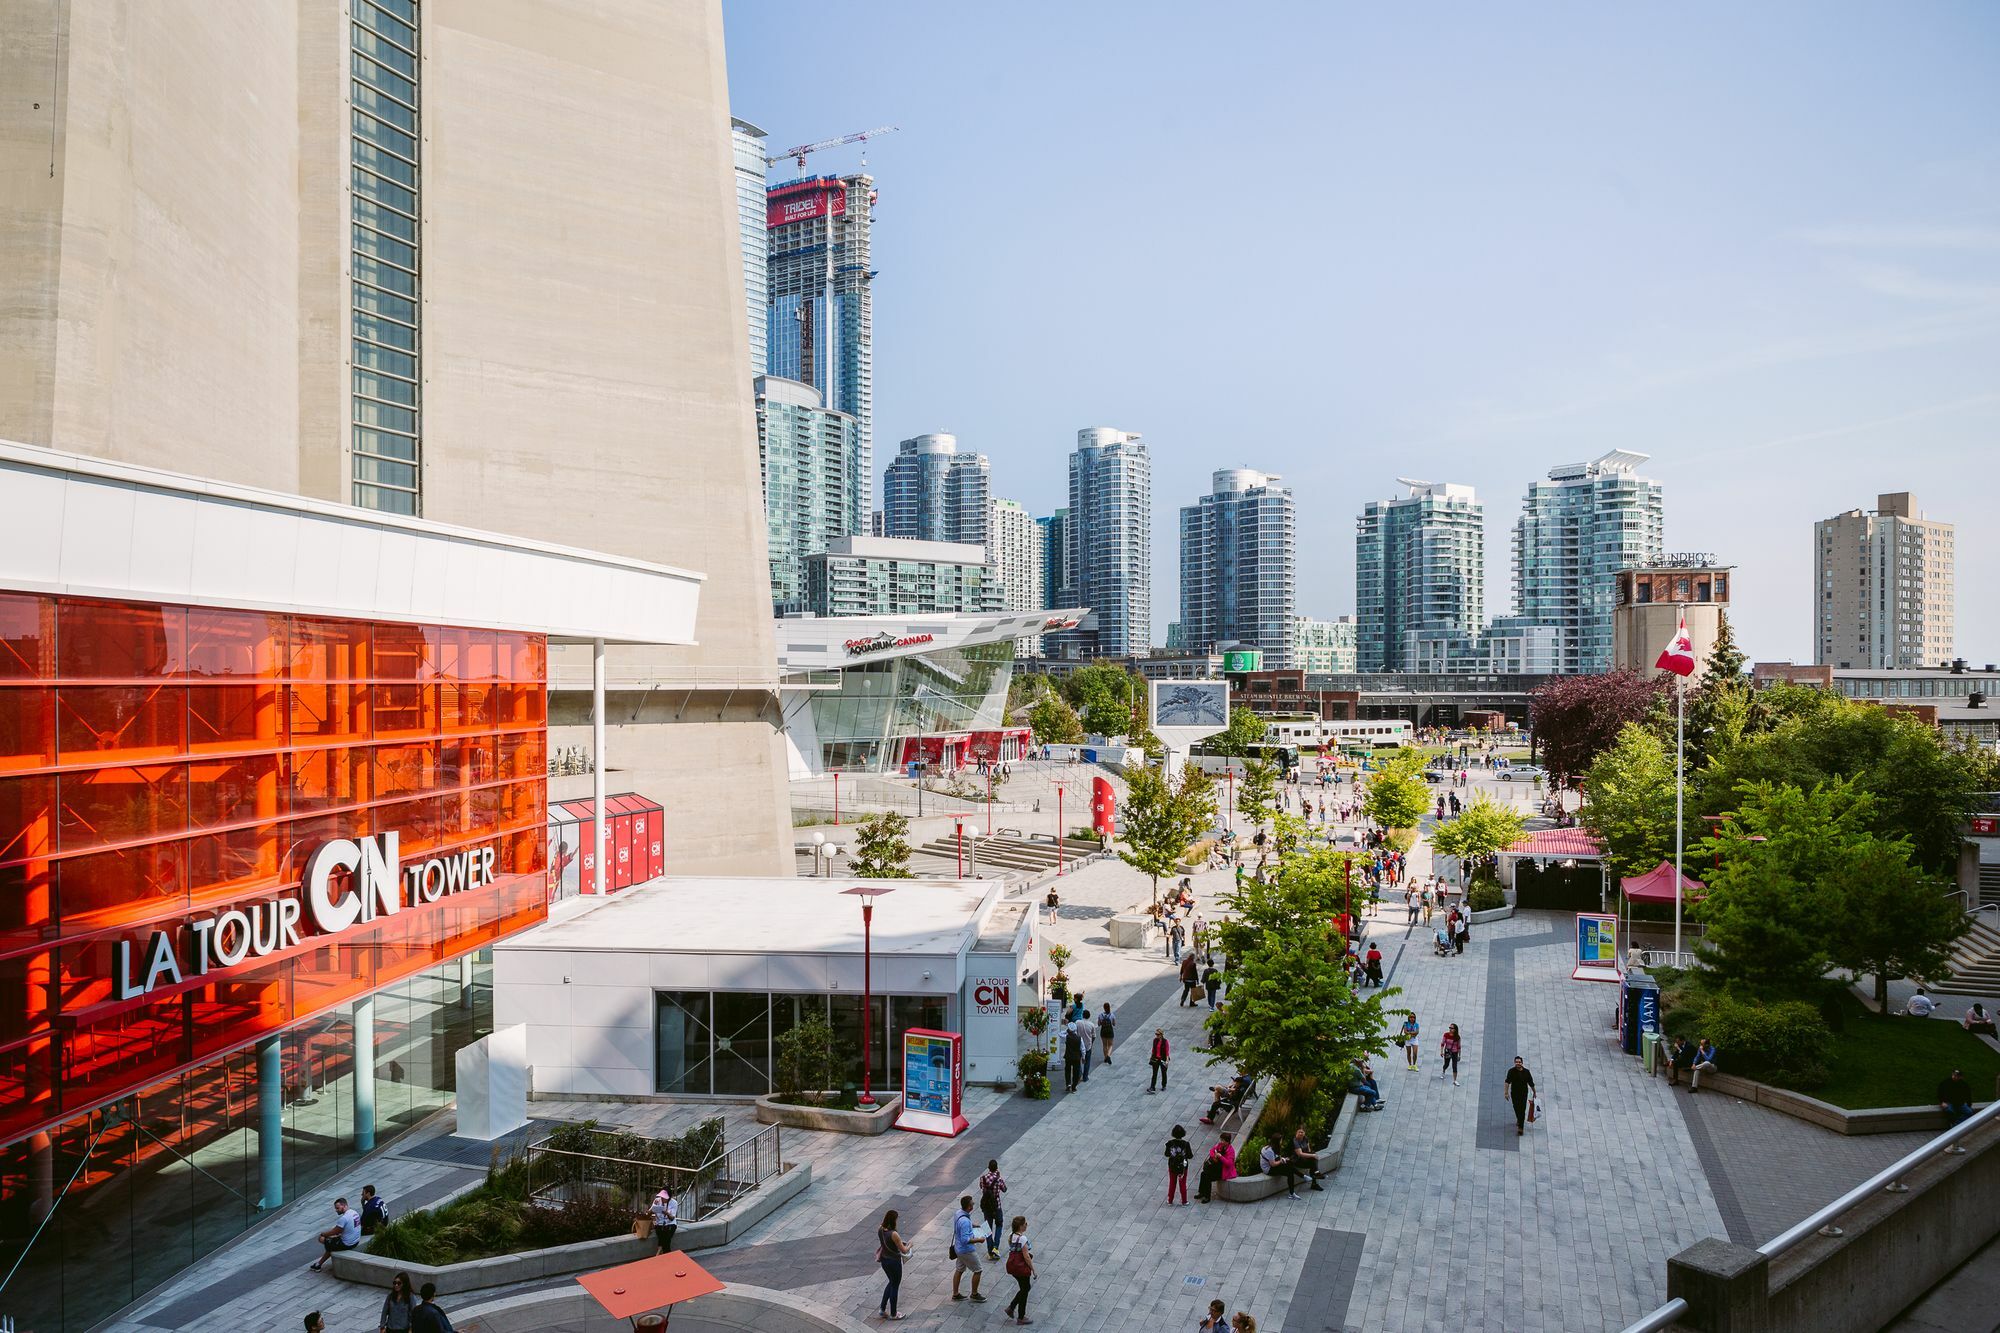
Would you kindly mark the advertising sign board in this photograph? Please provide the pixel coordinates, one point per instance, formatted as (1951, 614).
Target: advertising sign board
(800, 205)
(1596, 947)
(1243, 659)
(932, 1082)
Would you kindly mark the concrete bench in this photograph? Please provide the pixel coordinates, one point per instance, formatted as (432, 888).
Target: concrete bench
(1256, 1185)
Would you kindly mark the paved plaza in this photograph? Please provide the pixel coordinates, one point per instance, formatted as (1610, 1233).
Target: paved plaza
(1440, 1219)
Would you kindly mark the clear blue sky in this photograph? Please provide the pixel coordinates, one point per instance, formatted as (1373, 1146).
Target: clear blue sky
(1460, 242)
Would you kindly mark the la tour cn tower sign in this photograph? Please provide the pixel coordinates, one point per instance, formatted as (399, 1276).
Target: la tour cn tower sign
(377, 885)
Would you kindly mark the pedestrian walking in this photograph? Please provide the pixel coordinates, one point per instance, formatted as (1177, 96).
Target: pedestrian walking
(890, 1251)
(1448, 1049)
(991, 1187)
(1020, 1267)
(1190, 979)
(427, 1317)
(1107, 1029)
(1161, 1054)
(1211, 981)
(1374, 965)
(666, 1219)
(1179, 1153)
(1072, 1058)
(1520, 1090)
(1216, 1320)
(1089, 1031)
(964, 1250)
(1176, 937)
(1411, 1032)
(1410, 898)
(315, 1323)
(397, 1306)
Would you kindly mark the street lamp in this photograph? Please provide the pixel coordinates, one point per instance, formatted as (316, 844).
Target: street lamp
(1059, 829)
(825, 854)
(867, 893)
(836, 798)
(958, 822)
(989, 800)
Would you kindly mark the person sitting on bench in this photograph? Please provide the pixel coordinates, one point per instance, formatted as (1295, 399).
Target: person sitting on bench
(1365, 1088)
(1978, 1020)
(1228, 1097)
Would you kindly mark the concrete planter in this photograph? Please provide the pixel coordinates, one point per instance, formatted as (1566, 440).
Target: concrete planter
(830, 1119)
(587, 1256)
(1251, 1188)
(1876, 1120)
(1493, 914)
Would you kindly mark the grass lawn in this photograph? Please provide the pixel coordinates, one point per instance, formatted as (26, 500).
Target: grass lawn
(1882, 1061)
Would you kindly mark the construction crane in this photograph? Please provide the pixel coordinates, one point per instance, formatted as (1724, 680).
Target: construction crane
(799, 154)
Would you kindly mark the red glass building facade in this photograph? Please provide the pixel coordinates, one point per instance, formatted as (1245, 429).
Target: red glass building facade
(160, 765)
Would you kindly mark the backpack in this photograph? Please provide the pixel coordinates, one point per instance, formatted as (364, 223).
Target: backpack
(1017, 1259)
(1106, 1026)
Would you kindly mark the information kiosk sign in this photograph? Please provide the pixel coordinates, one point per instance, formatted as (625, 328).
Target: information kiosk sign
(932, 1082)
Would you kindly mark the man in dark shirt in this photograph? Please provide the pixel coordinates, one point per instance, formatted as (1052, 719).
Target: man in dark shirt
(1954, 1094)
(1520, 1087)
(1072, 1058)
(427, 1318)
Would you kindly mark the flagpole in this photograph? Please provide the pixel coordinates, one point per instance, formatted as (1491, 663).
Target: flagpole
(1680, 787)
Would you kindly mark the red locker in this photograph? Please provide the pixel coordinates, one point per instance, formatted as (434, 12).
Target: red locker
(656, 842)
(621, 850)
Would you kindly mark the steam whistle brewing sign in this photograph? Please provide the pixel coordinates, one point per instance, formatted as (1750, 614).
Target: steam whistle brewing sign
(375, 884)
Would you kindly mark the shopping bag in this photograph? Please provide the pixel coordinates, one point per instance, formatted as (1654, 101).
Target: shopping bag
(1534, 1109)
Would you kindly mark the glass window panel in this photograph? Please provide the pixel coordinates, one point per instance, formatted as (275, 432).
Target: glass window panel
(384, 163)
(326, 779)
(110, 722)
(383, 21)
(385, 501)
(229, 864)
(378, 103)
(404, 770)
(371, 385)
(844, 1012)
(392, 474)
(387, 445)
(369, 356)
(370, 301)
(235, 717)
(27, 727)
(369, 213)
(115, 640)
(387, 137)
(327, 711)
(405, 10)
(742, 1043)
(27, 637)
(385, 53)
(382, 414)
(405, 710)
(387, 249)
(236, 790)
(370, 270)
(113, 805)
(682, 1034)
(111, 888)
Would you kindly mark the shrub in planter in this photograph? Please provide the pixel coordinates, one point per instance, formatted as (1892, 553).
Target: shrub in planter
(805, 1061)
(1035, 1018)
(1484, 896)
(1033, 1067)
(1785, 1042)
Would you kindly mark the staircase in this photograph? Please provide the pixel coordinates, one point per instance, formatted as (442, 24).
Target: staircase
(1006, 853)
(1975, 959)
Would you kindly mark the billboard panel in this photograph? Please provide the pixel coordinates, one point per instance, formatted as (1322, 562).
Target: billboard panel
(1195, 704)
(802, 205)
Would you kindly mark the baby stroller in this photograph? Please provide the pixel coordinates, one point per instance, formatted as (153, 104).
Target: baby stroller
(1440, 945)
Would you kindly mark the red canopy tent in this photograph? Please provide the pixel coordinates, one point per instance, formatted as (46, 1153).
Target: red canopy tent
(1657, 885)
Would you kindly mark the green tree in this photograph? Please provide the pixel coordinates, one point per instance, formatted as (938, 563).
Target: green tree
(881, 850)
(1628, 800)
(1397, 795)
(1889, 917)
(1257, 796)
(1103, 693)
(1292, 1016)
(1245, 729)
(1055, 722)
(1922, 787)
(1480, 833)
(1163, 817)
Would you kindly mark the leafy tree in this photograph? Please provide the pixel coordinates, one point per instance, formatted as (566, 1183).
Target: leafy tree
(1481, 832)
(880, 848)
(1890, 919)
(1922, 787)
(1163, 817)
(1104, 694)
(1292, 1015)
(1576, 718)
(1055, 722)
(1397, 795)
(1628, 800)
(1258, 796)
(1245, 729)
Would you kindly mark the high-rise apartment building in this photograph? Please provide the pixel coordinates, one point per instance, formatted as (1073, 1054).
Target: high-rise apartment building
(1324, 647)
(1419, 566)
(805, 452)
(1239, 566)
(356, 320)
(1109, 541)
(1055, 558)
(1576, 531)
(746, 141)
(934, 493)
(890, 576)
(1014, 549)
(1884, 587)
(822, 315)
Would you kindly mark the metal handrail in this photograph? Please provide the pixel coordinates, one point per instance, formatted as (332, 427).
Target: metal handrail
(1663, 1317)
(1889, 1178)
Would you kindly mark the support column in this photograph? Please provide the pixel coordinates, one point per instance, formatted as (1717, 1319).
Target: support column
(271, 1122)
(41, 1177)
(597, 776)
(1726, 1287)
(364, 1074)
(465, 982)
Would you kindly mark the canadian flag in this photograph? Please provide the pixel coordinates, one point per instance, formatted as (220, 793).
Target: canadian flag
(1679, 655)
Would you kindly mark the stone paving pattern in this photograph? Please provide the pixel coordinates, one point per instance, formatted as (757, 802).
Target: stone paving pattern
(1430, 1225)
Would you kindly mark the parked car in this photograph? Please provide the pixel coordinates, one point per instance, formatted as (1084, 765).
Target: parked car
(1524, 773)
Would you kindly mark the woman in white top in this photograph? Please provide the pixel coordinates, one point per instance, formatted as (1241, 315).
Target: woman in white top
(666, 1218)
(1020, 1267)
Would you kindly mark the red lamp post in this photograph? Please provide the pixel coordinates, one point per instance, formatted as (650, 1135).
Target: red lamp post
(1230, 773)
(867, 893)
(1059, 830)
(958, 822)
(989, 800)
